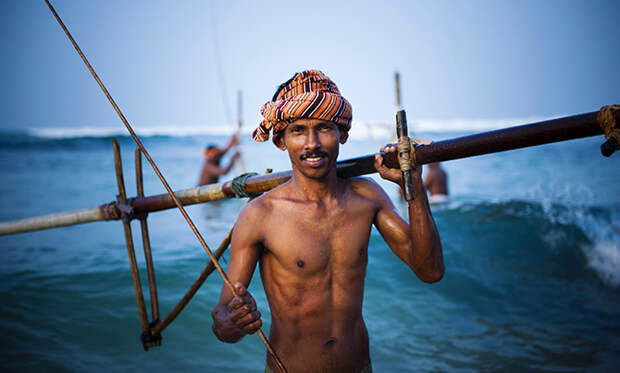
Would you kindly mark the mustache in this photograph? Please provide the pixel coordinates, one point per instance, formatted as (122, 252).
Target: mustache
(313, 154)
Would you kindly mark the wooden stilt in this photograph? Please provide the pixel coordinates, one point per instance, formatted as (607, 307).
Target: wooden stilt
(121, 199)
(154, 339)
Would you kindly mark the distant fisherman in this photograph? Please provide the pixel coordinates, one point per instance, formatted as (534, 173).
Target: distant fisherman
(211, 170)
(436, 181)
(310, 236)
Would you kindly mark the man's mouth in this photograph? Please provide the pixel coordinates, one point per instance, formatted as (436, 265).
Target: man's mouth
(314, 159)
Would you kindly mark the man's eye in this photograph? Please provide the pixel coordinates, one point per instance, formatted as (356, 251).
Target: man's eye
(325, 127)
(296, 129)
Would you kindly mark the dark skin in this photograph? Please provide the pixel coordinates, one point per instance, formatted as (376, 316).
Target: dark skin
(211, 170)
(310, 236)
(436, 180)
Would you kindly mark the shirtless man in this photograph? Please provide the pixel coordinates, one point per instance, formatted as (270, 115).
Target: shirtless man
(310, 236)
(211, 170)
(436, 181)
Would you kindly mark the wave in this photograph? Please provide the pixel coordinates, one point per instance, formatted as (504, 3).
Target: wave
(359, 130)
(105, 131)
(564, 240)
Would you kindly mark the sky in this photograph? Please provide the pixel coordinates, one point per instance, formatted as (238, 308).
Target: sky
(181, 63)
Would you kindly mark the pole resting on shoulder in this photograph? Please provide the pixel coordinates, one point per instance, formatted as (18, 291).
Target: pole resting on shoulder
(404, 148)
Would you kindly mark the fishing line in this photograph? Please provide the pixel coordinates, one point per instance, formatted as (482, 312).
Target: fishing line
(161, 177)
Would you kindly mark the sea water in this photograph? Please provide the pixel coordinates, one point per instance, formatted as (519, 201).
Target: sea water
(531, 243)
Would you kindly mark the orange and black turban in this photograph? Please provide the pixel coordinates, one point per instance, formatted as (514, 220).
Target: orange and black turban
(308, 94)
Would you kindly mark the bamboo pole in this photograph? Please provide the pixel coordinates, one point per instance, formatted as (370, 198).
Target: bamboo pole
(131, 253)
(239, 163)
(146, 242)
(554, 130)
(62, 219)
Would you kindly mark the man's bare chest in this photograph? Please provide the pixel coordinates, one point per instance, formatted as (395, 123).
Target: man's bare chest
(310, 243)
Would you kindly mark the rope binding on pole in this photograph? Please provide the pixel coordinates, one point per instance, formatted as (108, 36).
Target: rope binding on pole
(608, 118)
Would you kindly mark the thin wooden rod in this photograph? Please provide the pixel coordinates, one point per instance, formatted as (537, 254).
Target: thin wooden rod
(397, 87)
(135, 275)
(146, 242)
(163, 180)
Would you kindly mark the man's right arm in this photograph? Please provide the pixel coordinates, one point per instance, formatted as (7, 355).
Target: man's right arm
(233, 141)
(236, 316)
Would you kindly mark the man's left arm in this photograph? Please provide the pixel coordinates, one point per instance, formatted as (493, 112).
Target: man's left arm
(417, 243)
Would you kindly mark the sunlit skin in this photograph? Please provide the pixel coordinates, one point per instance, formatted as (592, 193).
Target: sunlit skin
(310, 236)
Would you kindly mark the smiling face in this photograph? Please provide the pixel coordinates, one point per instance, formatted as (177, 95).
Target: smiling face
(312, 145)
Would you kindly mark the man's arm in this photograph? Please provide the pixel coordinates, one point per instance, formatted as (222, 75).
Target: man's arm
(233, 140)
(234, 317)
(417, 244)
(213, 170)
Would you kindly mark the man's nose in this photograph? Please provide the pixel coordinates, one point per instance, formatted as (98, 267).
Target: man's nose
(312, 140)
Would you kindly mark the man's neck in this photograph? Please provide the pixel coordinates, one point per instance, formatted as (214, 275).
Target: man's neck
(315, 189)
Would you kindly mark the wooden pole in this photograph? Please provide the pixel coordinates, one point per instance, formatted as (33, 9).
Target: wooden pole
(397, 87)
(146, 242)
(239, 164)
(133, 265)
(555, 130)
(404, 152)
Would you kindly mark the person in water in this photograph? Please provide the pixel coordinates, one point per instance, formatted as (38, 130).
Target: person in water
(310, 237)
(436, 182)
(211, 170)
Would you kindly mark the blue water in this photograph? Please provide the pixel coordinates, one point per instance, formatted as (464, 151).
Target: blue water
(531, 243)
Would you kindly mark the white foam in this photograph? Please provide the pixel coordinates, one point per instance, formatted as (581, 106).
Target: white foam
(603, 257)
(107, 131)
(373, 130)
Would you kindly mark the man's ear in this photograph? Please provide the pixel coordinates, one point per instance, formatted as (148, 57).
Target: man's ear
(344, 135)
(278, 140)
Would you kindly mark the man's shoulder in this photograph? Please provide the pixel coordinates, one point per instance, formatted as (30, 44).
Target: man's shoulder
(368, 188)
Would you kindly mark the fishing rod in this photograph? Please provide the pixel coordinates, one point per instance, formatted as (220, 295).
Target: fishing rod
(534, 134)
(121, 198)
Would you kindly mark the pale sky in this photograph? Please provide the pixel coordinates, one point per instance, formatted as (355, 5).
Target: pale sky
(182, 62)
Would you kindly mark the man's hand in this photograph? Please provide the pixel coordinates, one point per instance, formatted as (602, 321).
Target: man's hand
(238, 317)
(235, 139)
(393, 174)
(243, 312)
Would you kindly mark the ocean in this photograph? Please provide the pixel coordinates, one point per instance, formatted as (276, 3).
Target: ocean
(531, 242)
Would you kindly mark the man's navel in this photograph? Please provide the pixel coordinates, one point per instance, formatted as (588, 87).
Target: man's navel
(300, 263)
(330, 343)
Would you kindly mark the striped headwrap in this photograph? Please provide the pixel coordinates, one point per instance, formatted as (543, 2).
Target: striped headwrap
(308, 94)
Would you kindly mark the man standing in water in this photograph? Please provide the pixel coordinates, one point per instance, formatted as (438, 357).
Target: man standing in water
(211, 170)
(310, 236)
(436, 181)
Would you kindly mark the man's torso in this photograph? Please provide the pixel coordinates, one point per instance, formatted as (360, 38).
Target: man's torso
(313, 265)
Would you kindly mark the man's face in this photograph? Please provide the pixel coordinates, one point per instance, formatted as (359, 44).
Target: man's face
(312, 146)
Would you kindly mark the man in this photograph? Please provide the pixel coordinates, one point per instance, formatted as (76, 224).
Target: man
(436, 181)
(211, 170)
(310, 236)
